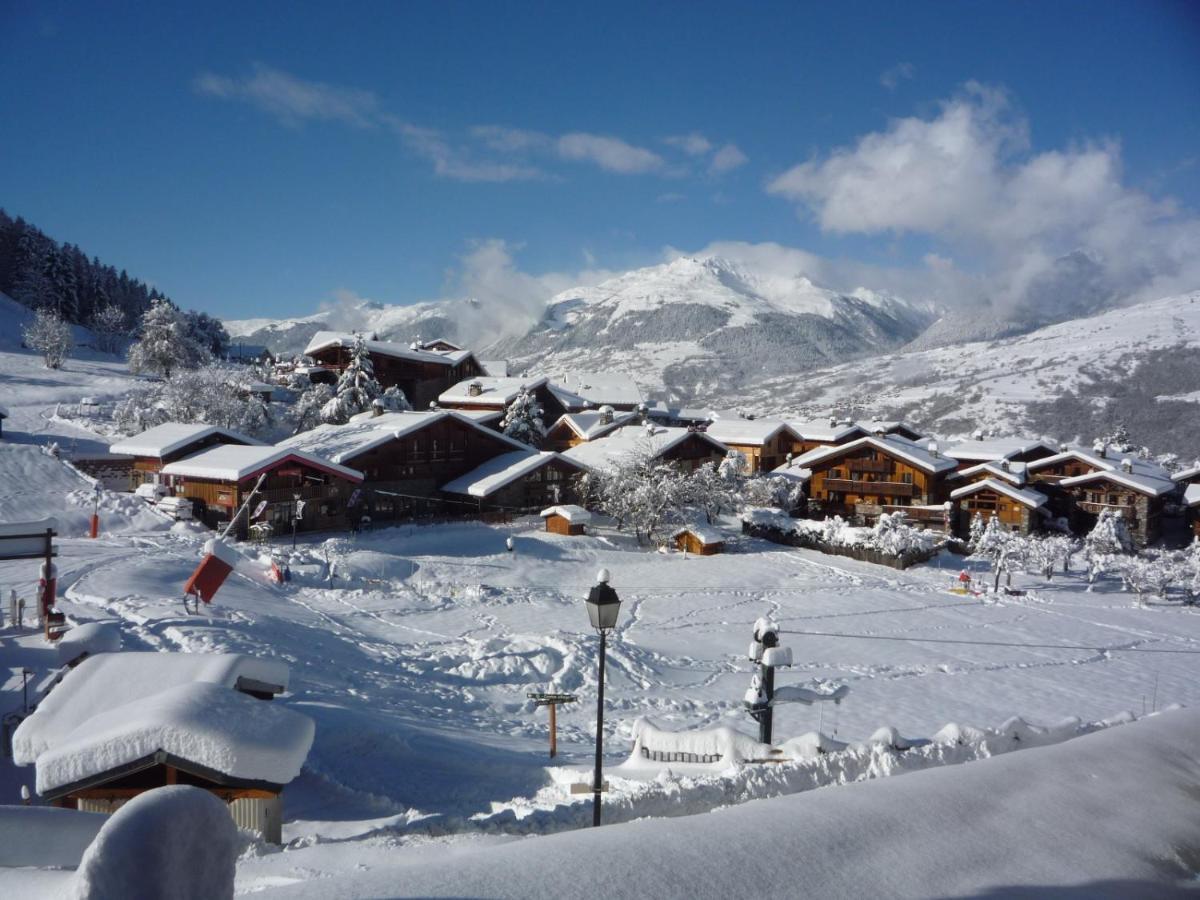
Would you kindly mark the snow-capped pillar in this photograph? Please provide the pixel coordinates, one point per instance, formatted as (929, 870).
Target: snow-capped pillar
(762, 688)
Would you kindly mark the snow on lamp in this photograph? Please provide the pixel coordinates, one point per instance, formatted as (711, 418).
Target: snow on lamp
(603, 604)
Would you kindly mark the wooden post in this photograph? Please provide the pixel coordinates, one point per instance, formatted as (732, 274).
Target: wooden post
(553, 730)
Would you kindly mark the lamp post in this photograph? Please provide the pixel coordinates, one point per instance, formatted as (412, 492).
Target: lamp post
(603, 604)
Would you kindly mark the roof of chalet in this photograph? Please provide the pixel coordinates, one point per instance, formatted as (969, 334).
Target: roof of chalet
(570, 512)
(432, 345)
(228, 462)
(482, 416)
(1015, 471)
(792, 471)
(629, 440)
(695, 414)
(502, 470)
(578, 390)
(1144, 476)
(706, 536)
(342, 443)
(1032, 499)
(1186, 474)
(322, 340)
(1191, 497)
(989, 449)
(495, 367)
(825, 430)
(587, 425)
(746, 432)
(887, 426)
(909, 451)
(495, 392)
(163, 440)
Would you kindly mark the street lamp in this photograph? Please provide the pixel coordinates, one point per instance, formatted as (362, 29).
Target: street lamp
(603, 604)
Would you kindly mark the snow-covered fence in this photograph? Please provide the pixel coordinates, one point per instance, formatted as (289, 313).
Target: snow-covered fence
(709, 746)
(774, 526)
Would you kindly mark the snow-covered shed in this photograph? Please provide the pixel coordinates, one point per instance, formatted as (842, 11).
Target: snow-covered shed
(686, 448)
(567, 519)
(698, 539)
(162, 444)
(220, 479)
(521, 480)
(1190, 475)
(1016, 508)
(120, 724)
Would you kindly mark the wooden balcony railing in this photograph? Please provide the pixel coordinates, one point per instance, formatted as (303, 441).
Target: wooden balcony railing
(880, 466)
(870, 488)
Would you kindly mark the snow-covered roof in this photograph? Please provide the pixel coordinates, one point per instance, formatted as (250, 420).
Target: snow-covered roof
(170, 437)
(1154, 487)
(232, 463)
(793, 471)
(342, 443)
(495, 367)
(588, 425)
(706, 536)
(446, 346)
(106, 681)
(745, 431)
(1032, 499)
(1186, 474)
(3, 411)
(824, 430)
(575, 390)
(482, 416)
(894, 445)
(1015, 471)
(576, 515)
(886, 426)
(1143, 475)
(205, 724)
(494, 392)
(995, 448)
(629, 440)
(502, 470)
(1191, 497)
(323, 340)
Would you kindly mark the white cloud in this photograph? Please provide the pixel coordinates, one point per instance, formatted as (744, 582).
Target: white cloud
(290, 99)
(892, 77)
(609, 153)
(693, 144)
(965, 179)
(726, 159)
(454, 162)
(511, 140)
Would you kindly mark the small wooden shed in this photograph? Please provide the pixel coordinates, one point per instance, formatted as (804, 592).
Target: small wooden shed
(701, 541)
(567, 519)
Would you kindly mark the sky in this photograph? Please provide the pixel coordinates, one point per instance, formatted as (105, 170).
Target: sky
(269, 159)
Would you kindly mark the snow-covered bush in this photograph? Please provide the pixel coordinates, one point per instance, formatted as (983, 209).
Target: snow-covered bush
(771, 490)
(165, 343)
(894, 536)
(523, 419)
(216, 394)
(710, 493)
(999, 548)
(394, 400)
(110, 326)
(356, 387)
(306, 411)
(1108, 540)
(50, 335)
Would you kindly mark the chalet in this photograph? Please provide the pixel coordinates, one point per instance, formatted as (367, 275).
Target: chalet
(1018, 509)
(809, 435)
(440, 345)
(571, 520)
(999, 470)
(699, 540)
(577, 428)
(1187, 476)
(3, 416)
(981, 450)
(163, 444)
(421, 374)
(406, 458)
(120, 724)
(523, 480)
(885, 427)
(1191, 501)
(661, 413)
(1082, 483)
(874, 475)
(685, 448)
(493, 395)
(765, 443)
(219, 480)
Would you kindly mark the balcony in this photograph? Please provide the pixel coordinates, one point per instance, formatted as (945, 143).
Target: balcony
(870, 488)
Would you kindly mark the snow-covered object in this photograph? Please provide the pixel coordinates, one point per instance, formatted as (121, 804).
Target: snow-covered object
(588, 426)
(1191, 496)
(523, 419)
(176, 842)
(981, 450)
(491, 392)
(14, 539)
(45, 835)
(953, 733)
(225, 553)
(165, 343)
(151, 491)
(323, 340)
(356, 387)
(107, 681)
(747, 432)
(811, 745)
(720, 747)
(1144, 476)
(577, 390)
(774, 657)
(502, 470)
(178, 508)
(706, 536)
(91, 638)
(889, 737)
(171, 437)
(631, 441)
(1025, 496)
(201, 723)
(232, 463)
(576, 515)
(924, 457)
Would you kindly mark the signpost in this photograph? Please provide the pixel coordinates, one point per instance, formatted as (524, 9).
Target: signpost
(552, 701)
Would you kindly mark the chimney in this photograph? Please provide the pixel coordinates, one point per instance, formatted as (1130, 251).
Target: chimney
(1004, 465)
(1127, 464)
(833, 422)
(1063, 447)
(376, 407)
(606, 415)
(933, 449)
(475, 388)
(1100, 449)
(978, 435)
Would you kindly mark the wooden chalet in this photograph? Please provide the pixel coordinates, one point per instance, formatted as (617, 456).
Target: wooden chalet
(885, 427)
(421, 374)
(871, 475)
(579, 391)
(484, 394)
(1187, 476)
(573, 429)
(1082, 483)
(685, 448)
(809, 435)
(407, 458)
(1019, 510)
(219, 480)
(765, 443)
(441, 345)
(699, 540)
(163, 444)
(570, 520)
(520, 481)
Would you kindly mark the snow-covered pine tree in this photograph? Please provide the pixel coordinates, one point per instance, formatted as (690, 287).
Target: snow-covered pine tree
(109, 325)
(523, 419)
(356, 387)
(978, 526)
(306, 412)
(393, 400)
(50, 336)
(164, 343)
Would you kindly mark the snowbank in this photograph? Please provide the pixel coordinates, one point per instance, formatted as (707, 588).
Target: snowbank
(178, 842)
(92, 638)
(721, 747)
(45, 835)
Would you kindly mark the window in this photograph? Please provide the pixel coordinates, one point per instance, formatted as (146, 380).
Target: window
(906, 478)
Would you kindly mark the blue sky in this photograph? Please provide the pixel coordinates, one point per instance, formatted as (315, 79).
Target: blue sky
(262, 159)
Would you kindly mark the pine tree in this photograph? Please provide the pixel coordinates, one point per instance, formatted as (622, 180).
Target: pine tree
(356, 387)
(976, 533)
(523, 419)
(164, 344)
(51, 336)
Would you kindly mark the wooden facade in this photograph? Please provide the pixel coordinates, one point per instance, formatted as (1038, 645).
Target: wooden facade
(1141, 511)
(690, 542)
(421, 380)
(145, 469)
(867, 480)
(1012, 514)
(551, 484)
(557, 524)
(770, 454)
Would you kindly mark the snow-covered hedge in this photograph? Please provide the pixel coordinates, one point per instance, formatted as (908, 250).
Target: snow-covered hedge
(891, 541)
